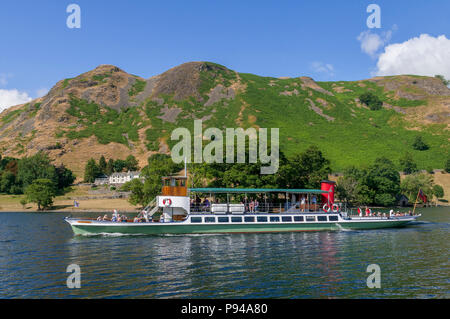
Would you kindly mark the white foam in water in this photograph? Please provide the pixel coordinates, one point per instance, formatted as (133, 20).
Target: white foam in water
(110, 234)
(343, 229)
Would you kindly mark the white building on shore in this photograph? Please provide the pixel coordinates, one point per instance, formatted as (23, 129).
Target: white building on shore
(117, 178)
(122, 178)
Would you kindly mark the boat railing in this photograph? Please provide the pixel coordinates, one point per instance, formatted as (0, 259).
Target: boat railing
(248, 208)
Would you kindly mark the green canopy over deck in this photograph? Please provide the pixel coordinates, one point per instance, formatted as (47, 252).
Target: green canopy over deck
(256, 190)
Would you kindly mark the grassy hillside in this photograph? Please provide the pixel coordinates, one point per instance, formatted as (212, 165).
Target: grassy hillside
(109, 111)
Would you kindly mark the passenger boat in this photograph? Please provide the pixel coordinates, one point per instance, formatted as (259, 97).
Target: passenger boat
(176, 212)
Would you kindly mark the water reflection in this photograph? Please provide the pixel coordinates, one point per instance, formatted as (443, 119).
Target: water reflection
(37, 248)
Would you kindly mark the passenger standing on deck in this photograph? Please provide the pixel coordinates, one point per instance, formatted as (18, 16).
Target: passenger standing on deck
(206, 204)
(314, 202)
(252, 206)
(302, 204)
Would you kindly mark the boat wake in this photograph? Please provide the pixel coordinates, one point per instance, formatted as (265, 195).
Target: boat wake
(344, 229)
(193, 235)
(110, 235)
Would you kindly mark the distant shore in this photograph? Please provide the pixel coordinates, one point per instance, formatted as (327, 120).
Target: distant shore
(103, 200)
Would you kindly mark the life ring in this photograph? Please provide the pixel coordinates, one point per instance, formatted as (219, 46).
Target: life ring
(335, 208)
(167, 202)
(326, 208)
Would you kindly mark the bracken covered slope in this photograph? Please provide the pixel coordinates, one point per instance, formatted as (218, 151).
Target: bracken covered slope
(109, 112)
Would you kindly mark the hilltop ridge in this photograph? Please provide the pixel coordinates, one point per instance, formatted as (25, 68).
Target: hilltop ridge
(107, 111)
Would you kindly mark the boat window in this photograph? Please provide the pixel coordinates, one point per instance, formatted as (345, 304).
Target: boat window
(275, 219)
(298, 218)
(196, 219)
(310, 218)
(236, 219)
(333, 218)
(262, 219)
(322, 218)
(223, 219)
(286, 218)
(210, 219)
(249, 219)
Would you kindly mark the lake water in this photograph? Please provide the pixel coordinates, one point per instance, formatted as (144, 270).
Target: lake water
(35, 250)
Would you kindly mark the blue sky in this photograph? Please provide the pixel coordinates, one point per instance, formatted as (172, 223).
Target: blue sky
(271, 38)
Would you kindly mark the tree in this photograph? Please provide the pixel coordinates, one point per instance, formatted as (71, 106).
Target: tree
(4, 161)
(138, 196)
(304, 170)
(411, 184)
(346, 189)
(102, 164)
(7, 182)
(419, 144)
(109, 167)
(407, 164)
(378, 184)
(438, 191)
(91, 171)
(119, 165)
(352, 187)
(159, 165)
(65, 177)
(12, 165)
(371, 100)
(131, 164)
(442, 78)
(35, 167)
(41, 191)
(384, 179)
(447, 165)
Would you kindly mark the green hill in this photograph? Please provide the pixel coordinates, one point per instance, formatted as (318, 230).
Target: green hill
(108, 111)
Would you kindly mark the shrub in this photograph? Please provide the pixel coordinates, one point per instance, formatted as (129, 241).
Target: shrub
(407, 164)
(371, 100)
(23, 202)
(419, 144)
(442, 78)
(137, 87)
(438, 191)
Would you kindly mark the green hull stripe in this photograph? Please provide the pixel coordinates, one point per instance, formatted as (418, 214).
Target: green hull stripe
(230, 228)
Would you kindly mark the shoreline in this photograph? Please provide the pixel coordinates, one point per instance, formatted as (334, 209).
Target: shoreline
(70, 212)
(136, 211)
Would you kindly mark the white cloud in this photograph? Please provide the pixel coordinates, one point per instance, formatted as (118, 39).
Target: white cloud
(12, 97)
(423, 55)
(320, 67)
(371, 43)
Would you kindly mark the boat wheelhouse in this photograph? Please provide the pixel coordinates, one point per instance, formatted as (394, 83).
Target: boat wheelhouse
(180, 210)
